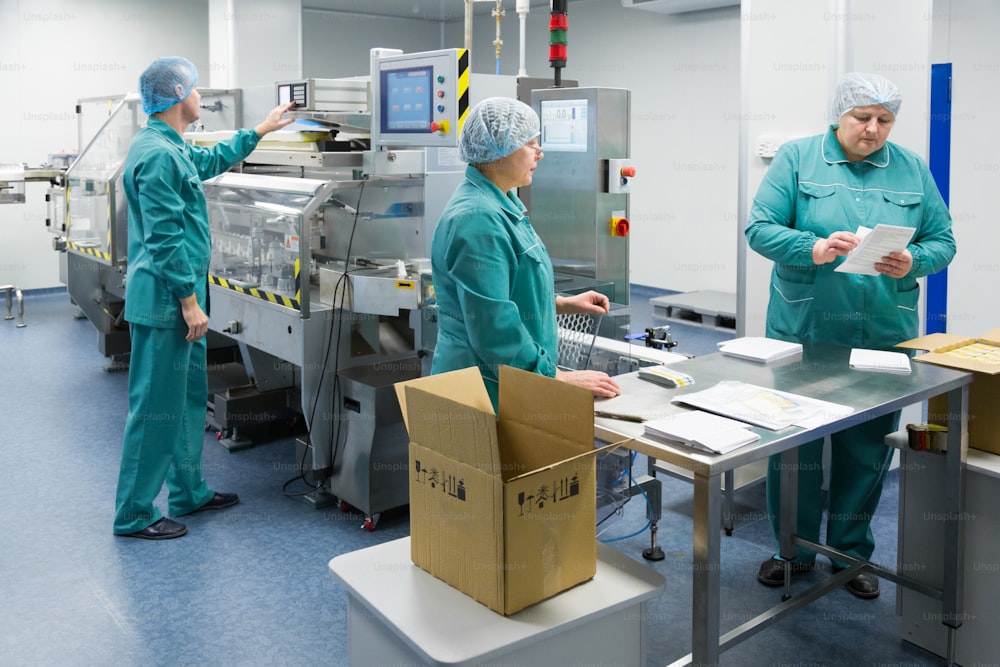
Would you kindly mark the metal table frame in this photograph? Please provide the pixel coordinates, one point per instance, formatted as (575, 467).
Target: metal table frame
(822, 372)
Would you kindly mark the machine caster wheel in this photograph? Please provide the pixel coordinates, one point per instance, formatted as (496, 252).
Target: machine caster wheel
(371, 523)
(729, 532)
(344, 507)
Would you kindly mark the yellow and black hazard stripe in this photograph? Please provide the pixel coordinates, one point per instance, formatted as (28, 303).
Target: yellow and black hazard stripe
(93, 252)
(263, 294)
(463, 86)
(101, 253)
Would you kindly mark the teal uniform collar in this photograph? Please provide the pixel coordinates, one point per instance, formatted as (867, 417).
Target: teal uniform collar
(169, 133)
(506, 201)
(834, 154)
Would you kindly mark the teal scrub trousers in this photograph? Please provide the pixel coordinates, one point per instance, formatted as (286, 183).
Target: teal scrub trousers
(859, 460)
(165, 428)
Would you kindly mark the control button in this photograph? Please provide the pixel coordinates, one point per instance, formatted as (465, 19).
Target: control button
(440, 108)
(441, 127)
(619, 226)
(628, 172)
(440, 78)
(440, 93)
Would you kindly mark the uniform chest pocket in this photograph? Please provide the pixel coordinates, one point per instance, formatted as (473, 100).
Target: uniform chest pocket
(903, 208)
(191, 190)
(817, 210)
(815, 190)
(532, 266)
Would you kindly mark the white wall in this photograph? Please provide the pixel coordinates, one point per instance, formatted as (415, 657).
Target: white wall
(964, 34)
(52, 53)
(337, 44)
(254, 42)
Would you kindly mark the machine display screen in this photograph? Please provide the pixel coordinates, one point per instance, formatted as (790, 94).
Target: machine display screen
(564, 125)
(407, 102)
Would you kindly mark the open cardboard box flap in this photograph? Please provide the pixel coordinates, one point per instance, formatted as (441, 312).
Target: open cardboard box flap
(542, 422)
(938, 344)
(452, 414)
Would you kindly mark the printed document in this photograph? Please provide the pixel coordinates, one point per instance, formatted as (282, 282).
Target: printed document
(875, 244)
(761, 406)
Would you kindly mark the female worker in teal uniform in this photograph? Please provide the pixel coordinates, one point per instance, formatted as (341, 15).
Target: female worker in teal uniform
(169, 246)
(492, 275)
(816, 195)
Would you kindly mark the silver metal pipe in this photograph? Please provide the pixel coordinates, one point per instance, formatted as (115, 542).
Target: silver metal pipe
(13, 291)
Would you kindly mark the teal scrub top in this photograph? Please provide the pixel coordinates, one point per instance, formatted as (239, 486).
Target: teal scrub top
(810, 191)
(169, 242)
(494, 286)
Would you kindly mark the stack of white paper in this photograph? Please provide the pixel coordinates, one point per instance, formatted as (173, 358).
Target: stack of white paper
(879, 360)
(760, 349)
(702, 430)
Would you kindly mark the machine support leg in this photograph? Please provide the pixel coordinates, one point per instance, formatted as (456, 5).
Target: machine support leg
(11, 292)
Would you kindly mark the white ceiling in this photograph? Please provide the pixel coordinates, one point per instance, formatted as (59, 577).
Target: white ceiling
(428, 10)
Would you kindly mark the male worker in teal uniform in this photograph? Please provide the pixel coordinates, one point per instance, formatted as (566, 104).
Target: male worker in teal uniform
(169, 247)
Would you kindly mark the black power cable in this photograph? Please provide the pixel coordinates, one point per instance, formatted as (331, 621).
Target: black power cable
(340, 289)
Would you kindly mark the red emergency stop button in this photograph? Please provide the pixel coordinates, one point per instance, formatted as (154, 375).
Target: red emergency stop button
(628, 172)
(619, 227)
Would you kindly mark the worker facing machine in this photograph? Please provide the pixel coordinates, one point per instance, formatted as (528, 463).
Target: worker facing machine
(166, 300)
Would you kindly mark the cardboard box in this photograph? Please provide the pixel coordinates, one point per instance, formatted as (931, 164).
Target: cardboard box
(981, 356)
(502, 509)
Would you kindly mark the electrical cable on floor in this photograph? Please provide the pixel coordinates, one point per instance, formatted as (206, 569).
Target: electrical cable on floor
(649, 512)
(340, 289)
(625, 472)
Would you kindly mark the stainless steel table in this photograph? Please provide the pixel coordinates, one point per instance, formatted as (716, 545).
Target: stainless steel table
(822, 373)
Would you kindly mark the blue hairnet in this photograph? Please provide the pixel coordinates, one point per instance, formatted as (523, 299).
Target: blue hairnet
(495, 128)
(158, 85)
(858, 89)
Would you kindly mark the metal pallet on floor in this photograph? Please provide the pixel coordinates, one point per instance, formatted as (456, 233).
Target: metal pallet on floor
(707, 307)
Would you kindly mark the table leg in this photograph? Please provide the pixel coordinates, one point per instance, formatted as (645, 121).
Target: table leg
(789, 514)
(954, 542)
(727, 502)
(706, 592)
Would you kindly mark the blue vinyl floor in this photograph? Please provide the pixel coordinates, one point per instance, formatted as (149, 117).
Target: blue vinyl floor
(250, 585)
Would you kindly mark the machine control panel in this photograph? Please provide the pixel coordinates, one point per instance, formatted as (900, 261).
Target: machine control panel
(419, 99)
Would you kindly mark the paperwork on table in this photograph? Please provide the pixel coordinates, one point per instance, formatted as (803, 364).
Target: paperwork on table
(761, 406)
(875, 244)
(756, 348)
(880, 360)
(702, 430)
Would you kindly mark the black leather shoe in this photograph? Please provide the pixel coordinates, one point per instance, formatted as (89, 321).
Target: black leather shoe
(164, 529)
(864, 586)
(218, 502)
(772, 571)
